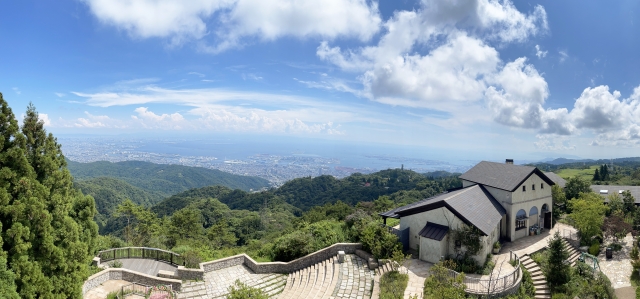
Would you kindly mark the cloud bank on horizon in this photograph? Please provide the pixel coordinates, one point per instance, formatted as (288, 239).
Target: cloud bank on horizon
(369, 69)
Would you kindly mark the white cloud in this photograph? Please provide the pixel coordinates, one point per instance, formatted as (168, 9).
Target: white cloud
(45, 119)
(563, 56)
(151, 120)
(201, 75)
(16, 90)
(235, 20)
(59, 94)
(92, 121)
(540, 53)
(553, 143)
(251, 76)
(441, 55)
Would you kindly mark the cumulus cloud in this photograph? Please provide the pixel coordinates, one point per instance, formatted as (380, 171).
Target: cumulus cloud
(442, 54)
(148, 119)
(235, 20)
(93, 121)
(44, 118)
(16, 90)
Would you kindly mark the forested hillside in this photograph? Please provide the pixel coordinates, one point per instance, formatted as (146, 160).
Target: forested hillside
(282, 224)
(110, 192)
(622, 171)
(164, 179)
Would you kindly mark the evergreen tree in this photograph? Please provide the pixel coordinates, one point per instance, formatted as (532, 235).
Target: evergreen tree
(559, 271)
(47, 226)
(596, 175)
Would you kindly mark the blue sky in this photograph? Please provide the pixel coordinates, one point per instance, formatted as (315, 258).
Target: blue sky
(488, 79)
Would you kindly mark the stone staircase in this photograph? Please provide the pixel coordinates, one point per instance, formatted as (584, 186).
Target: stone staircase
(574, 254)
(315, 281)
(271, 284)
(193, 289)
(381, 270)
(539, 281)
(330, 279)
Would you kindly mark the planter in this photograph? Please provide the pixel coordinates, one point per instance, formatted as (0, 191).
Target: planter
(530, 233)
(496, 250)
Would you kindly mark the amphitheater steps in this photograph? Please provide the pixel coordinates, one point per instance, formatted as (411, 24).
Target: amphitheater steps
(311, 282)
(539, 281)
(381, 270)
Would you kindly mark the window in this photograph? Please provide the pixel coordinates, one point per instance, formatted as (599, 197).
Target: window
(541, 185)
(520, 224)
(533, 186)
(524, 188)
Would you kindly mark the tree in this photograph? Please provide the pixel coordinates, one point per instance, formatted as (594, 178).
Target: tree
(559, 271)
(614, 226)
(596, 175)
(616, 205)
(441, 285)
(559, 202)
(629, 202)
(588, 215)
(48, 231)
(575, 186)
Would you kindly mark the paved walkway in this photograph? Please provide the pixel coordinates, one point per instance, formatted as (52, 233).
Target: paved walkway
(618, 269)
(147, 266)
(418, 271)
(104, 289)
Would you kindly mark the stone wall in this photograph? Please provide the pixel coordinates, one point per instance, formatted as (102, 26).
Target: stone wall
(190, 274)
(281, 267)
(130, 276)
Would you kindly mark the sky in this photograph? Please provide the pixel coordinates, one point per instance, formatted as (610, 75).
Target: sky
(483, 79)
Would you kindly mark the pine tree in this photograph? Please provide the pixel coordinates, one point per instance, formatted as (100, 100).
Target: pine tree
(559, 270)
(596, 175)
(47, 226)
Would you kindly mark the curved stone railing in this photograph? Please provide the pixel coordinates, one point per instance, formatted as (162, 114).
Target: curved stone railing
(141, 252)
(503, 285)
(281, 267)
(130, 276)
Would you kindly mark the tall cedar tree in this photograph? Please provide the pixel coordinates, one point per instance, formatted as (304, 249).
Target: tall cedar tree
(47, 226)
(596, 175)
(559, 270)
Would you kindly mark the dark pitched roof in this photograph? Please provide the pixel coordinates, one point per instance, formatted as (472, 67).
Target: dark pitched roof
(635, 191)
(501, 175)
(556, 179)
(474, 205)
(434, 231)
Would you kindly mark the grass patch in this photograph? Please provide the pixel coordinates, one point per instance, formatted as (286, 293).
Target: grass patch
(112, 295)
(488, 266)
(635, 278)
(393, 284)
(585, 174)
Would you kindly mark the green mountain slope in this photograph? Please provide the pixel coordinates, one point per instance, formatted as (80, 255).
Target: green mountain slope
(109, 192)
(163, 179)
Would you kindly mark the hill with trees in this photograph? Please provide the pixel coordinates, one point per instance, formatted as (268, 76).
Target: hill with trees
(162, 178)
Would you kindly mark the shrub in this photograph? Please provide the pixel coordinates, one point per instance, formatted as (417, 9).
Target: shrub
(115, 264)
(615, 247)
(393, 284)
(112, 295)
(637, 293)
(488, 266)
(240, 290)
(594, 249)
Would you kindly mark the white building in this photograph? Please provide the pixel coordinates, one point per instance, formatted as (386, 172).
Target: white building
(503, 201)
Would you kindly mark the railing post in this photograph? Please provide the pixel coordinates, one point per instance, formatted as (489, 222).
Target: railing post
(128, 252)
(114, 254)
(157, 254)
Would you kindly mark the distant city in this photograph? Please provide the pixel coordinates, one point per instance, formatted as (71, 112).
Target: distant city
(276, 167)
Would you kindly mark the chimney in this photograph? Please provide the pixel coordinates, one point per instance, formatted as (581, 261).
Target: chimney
(509, 161)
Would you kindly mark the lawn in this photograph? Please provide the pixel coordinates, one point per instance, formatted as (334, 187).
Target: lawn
(392, 285)
(585, 174)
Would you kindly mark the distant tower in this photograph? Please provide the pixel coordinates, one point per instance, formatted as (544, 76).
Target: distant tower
(401, 166)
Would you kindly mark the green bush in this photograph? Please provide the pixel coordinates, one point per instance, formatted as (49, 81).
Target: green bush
(594, 249)
(488, 266)
(393, 284)
(637, 293)
(615, 247)
(377, 239)
(240, 290)
(307, 239)
(112, 295)
(115, 264)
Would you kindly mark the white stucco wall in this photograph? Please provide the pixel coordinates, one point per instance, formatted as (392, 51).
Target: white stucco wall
(525, 200)
(431, 250)
(416, 222)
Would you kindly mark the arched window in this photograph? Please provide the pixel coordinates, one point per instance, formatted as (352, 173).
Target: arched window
(521, 219)
(545, 207)
(533, 211)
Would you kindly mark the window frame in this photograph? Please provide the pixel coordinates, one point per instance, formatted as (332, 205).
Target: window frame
(524, 188)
